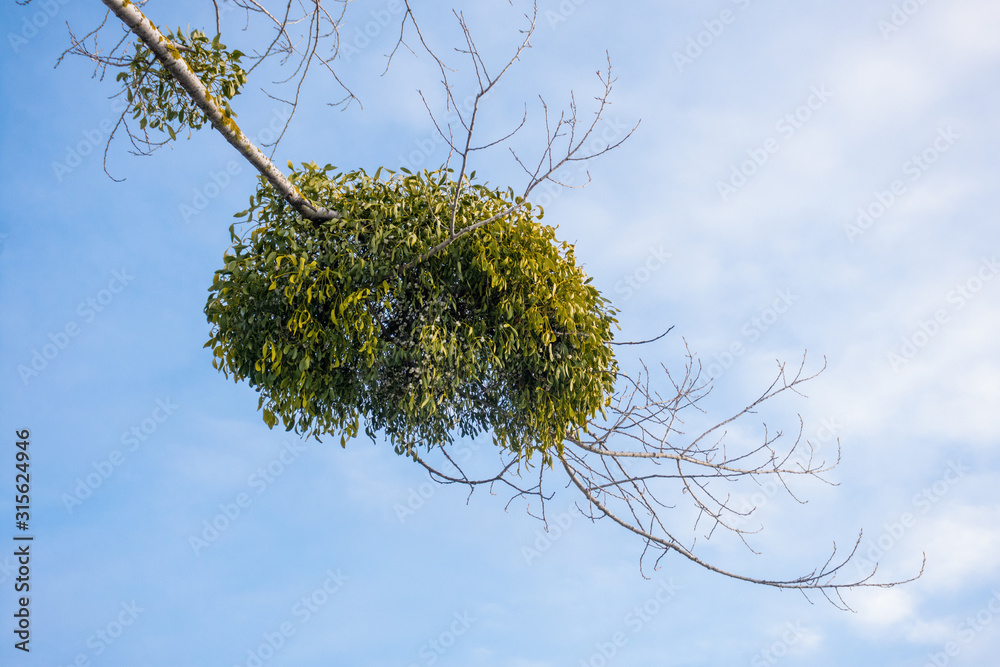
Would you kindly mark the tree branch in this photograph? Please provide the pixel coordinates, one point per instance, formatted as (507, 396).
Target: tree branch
(168, 54)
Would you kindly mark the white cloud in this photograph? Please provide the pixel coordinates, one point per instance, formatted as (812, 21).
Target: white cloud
(963, 546)
(879, 87)
(969, 29)
(882, 611)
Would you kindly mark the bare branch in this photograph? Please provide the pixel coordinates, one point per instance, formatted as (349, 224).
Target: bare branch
(552, 159)
(643, 342)
(640, 483)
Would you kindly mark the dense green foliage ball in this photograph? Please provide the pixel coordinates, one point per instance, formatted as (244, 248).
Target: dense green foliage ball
(340, 322)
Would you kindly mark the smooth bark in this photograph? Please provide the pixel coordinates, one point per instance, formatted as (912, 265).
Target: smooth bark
(171, 57)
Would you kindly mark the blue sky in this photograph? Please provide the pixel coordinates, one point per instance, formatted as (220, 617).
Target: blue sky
(806, 176)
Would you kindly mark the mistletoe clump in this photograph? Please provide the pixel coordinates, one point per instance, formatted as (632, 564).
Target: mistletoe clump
(373, 316)
(158, 100)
